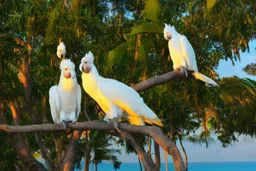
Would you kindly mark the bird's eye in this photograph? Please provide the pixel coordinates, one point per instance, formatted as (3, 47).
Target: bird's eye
(60, 50)
(66, 68)
(85, 62)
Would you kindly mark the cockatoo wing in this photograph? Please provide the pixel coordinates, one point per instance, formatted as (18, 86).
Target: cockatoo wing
(78, 101)
(188, 52)
(120, 94)
(54, 100)
(129, 100)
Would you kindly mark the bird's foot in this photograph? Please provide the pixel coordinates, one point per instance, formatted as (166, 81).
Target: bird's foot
(115, 122)
(183, 70)
(65, 124)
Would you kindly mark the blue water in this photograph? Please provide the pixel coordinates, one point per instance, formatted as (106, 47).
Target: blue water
(213, 166)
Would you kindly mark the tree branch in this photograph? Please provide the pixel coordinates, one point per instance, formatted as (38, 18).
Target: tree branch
(158, 80)
(153, 131)
(146, 160)
(44, 152)
(70, 153)
(157, 156)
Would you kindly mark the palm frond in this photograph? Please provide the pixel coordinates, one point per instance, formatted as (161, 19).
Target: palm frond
(152, 10)
(115, 56)
(146, 28)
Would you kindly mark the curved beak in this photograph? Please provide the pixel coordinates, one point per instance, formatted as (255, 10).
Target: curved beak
(167, 36)
(85, 68)
(67, 74)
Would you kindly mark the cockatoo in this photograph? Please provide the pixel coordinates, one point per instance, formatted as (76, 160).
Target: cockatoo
(182, 54)
(61, 50)
(115, 98)
(65, 98)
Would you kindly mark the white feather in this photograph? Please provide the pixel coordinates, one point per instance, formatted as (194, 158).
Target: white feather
(65, 98)
(182, 53)
(54, 100)
(115, 98)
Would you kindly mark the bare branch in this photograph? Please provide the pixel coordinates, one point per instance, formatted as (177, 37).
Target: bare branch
(32, 128)
(44, 152)
(70, 153)
(146, 160)
(155, 132)
(157, 156)
(158, 80)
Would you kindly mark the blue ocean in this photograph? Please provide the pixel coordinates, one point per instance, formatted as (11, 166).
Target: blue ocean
(211, 166)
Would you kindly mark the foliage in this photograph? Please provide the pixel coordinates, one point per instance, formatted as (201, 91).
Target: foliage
(127, 41)
(250, 69)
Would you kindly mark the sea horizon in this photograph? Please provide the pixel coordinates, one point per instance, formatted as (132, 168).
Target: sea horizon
(192, 166)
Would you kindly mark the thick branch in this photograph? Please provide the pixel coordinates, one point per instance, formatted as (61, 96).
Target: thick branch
(153, 131)
(24, 154)
(70, 153)
(44, 152)
(157, 156)
(146, 160)
(158, 80)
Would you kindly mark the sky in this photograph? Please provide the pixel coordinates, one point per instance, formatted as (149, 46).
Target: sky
(244, 150)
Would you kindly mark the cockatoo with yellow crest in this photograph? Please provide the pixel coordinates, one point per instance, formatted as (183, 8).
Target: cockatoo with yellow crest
(65, 98)
(115, 98)
(61, 50)
(182, 54)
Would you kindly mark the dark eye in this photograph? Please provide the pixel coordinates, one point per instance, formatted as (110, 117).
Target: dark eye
(60, 50)
(85, 62)
(66, 68)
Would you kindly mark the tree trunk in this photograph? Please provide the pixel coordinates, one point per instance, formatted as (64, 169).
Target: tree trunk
(70, 153)
(2, 120)
(166, 160)
(59, 148)
(165, 62)
(24, 78)
(157, 156)
(136, 53)
(44, 153)
(139, 163)
(20, 144)
(146, 160)
(149, 147)
(87, 153)
(15, 112)
(25, 155)
(185, 153)
(44, 102)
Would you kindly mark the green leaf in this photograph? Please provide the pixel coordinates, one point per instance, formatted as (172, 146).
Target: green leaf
(114, 56)
(249, 20)
(146, 28)
(209, 5)
(152, 10)
(49, 31)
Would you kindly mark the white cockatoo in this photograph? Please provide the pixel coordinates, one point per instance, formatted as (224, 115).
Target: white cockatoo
(61, 51)
(65, 98)
(116, 99)
(182, 54)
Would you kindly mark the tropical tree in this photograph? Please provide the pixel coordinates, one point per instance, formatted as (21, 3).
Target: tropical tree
(250, 69)
(127, 41)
